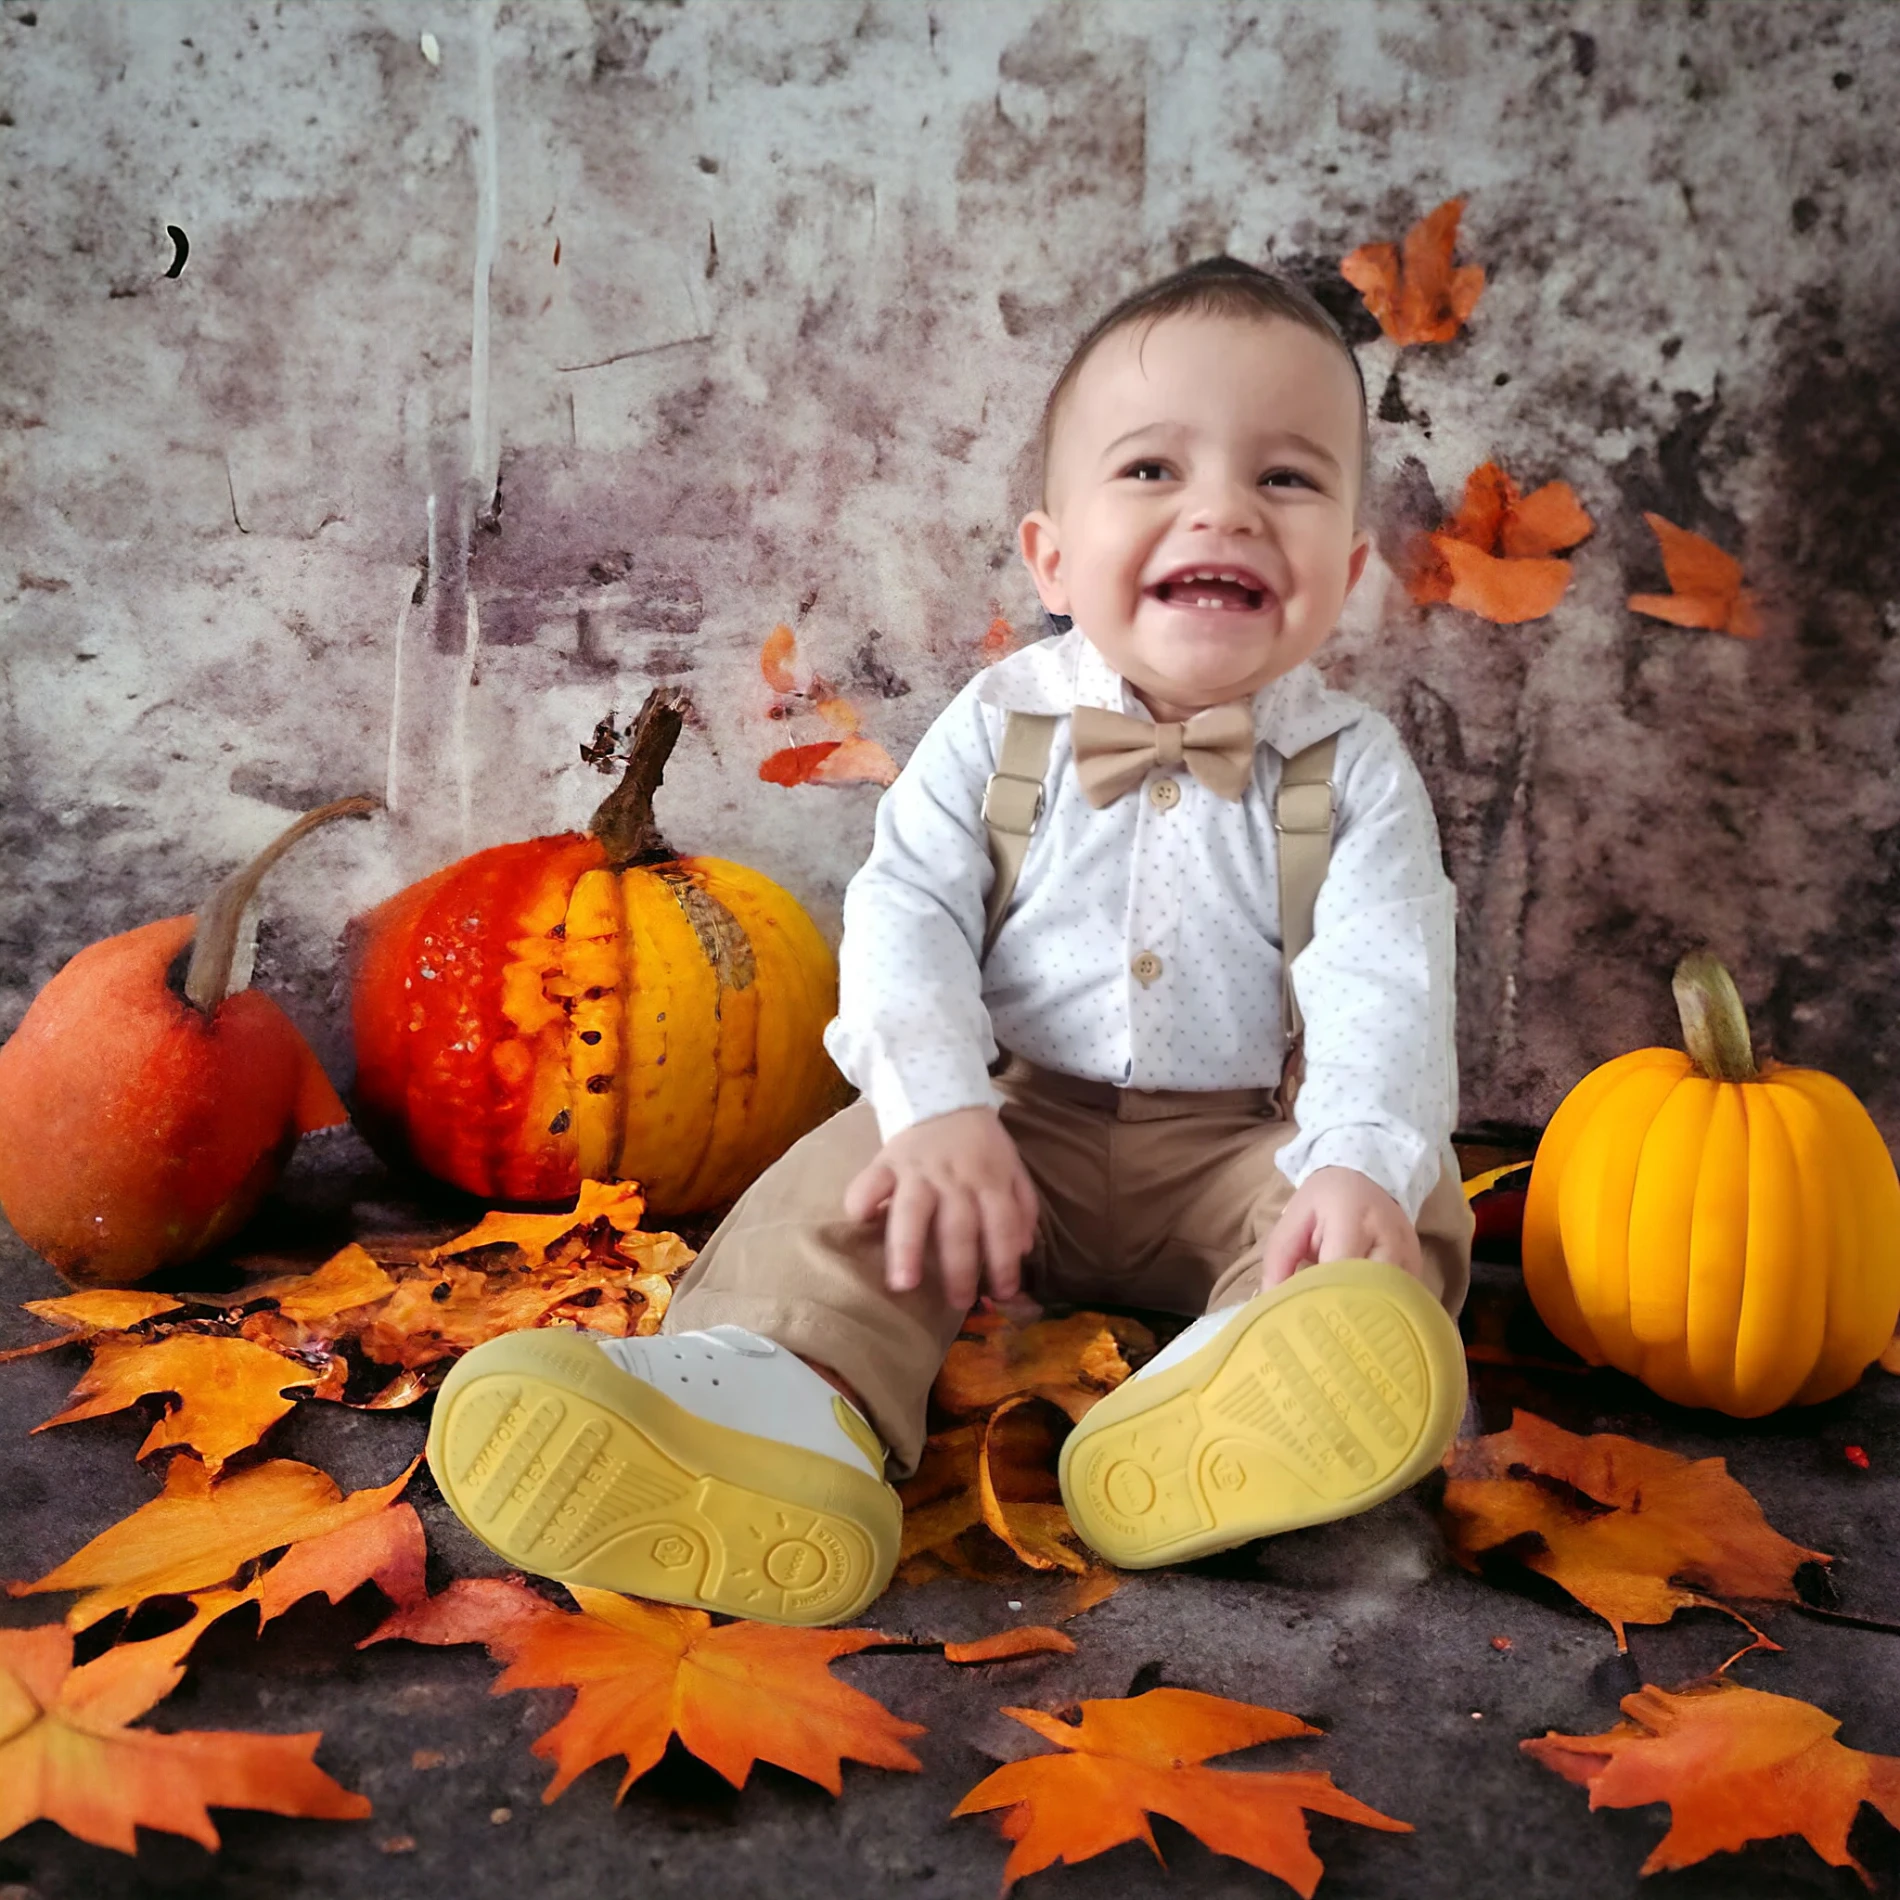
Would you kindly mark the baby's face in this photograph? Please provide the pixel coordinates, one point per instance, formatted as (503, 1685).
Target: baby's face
(1202, 446)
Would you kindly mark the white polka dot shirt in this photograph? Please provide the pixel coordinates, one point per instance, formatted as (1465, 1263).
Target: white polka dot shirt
(1142, 945)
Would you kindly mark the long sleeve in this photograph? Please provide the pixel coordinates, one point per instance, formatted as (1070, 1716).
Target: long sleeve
(912, 1031)
(1376, 989)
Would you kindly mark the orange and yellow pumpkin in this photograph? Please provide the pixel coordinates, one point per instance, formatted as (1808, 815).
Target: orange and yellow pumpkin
(1728, 1235)
(595, 1008)
(147, 1105)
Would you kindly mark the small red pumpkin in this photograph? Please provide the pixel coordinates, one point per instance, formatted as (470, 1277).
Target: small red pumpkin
(595, 1008)
(142, 1119)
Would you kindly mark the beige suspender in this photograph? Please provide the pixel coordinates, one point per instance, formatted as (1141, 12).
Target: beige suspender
(1012, 802)
(1302, 816)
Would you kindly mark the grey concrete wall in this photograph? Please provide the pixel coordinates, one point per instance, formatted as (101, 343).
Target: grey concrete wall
(817, 261)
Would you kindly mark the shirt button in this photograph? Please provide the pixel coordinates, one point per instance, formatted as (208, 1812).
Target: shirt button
(1146, 968)
(1164, 794)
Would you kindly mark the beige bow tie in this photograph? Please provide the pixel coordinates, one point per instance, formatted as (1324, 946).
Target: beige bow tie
(1113, 753)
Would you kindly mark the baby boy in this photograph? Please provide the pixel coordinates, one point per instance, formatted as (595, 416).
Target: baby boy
(1148, 988)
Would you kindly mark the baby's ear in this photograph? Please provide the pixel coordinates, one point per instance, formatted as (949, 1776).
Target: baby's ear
(1357, 559)
(1036, 538)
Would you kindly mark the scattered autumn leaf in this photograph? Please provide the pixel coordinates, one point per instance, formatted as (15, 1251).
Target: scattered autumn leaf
(776, 659)
(619, 1203)
(1031, 1639)
(1633, 1532)
(1706, 585)
(643, 1672)
(1017, 1489)
(347, 1279)
(196, 1534)
(855, 762)
(1735, 1765)
(1418, 297)
(839, 714)
(67, 1755)
(1491, 558)
(591, 1267)
(1142, 1755)
(109, 1309)
(795, 764)
(229, 1391)
(1071, 1362)
(999, 638)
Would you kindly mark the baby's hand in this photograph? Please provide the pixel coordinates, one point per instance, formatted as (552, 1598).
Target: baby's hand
(1338, 1214)
(957, 1177)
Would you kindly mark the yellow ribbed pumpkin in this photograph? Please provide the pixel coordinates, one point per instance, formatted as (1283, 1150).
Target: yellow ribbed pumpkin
(595, 1008)
(1728, 1235)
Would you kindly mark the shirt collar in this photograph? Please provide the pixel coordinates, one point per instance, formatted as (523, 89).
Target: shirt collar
(1055, 675)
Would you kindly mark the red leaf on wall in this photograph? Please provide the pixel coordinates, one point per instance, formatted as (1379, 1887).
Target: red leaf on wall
(1418, 296)
(1706, 585)
(1492, 557)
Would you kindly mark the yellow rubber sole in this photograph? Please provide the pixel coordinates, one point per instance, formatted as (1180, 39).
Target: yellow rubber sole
(1333, 1392)
(572, 1468)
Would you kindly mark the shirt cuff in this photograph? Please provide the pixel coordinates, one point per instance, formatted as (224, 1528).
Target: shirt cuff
(1399, 1163)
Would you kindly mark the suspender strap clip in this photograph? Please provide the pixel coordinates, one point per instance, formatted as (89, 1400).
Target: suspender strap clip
(1012, 803)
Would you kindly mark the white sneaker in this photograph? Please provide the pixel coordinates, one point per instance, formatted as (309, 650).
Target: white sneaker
(1318, 1399)
(713, 1469)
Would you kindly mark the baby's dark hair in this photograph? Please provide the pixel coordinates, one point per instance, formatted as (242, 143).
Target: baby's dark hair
(1215, 287)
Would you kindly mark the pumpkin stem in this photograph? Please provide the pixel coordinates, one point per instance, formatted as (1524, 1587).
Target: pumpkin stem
(214, 943)
(1714, 1026)
(624, 822)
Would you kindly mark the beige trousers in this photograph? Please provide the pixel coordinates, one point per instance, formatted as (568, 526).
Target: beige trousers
(1159, 1199)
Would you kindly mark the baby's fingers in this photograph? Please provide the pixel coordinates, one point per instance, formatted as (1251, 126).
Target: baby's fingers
(959, 1246)
(1002, 1244)
(906, 1228)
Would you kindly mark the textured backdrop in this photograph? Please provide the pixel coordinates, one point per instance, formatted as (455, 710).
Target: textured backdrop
(528, 354)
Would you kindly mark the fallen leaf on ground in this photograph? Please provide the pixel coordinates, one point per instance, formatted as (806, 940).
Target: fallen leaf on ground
(643, 1672)
(1031, 1639)
(67, 1756)
(1735, 1765)
(1017, 1489)
(591, 1267)
(1071, 1362)
(1492, 557)
(619, 1203)
(1140, 1756)
(108, 1309)
(196, 1535)
(1418, 297)
(230, 1392)
(1633, 1532)
(999, 638)
(777, 657)
(1706, 585)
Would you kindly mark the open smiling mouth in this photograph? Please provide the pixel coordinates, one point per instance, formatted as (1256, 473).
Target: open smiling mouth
(1220, 589)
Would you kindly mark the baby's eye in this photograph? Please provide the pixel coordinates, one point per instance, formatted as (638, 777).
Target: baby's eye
(1285, 477)
(1146, 471)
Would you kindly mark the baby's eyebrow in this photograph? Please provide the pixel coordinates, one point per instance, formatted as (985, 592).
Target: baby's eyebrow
(1291, 437)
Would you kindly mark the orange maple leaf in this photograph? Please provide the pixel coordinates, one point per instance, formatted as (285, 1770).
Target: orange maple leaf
(999, 638)
(776, 658)
(1421, 298)
(644, 1672)
(1491, 558)
(108, 1309)
(619, 1203)
(1620, 1524)
(67, 1755)
(1028, 1639)
(1142, 1755)
(349, 1278)
(1706, 585)
(229, 1391)
(1735, 1765)
(196, 1535)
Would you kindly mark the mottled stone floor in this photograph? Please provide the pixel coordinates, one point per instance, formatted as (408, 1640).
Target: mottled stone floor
(1364, 1628)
